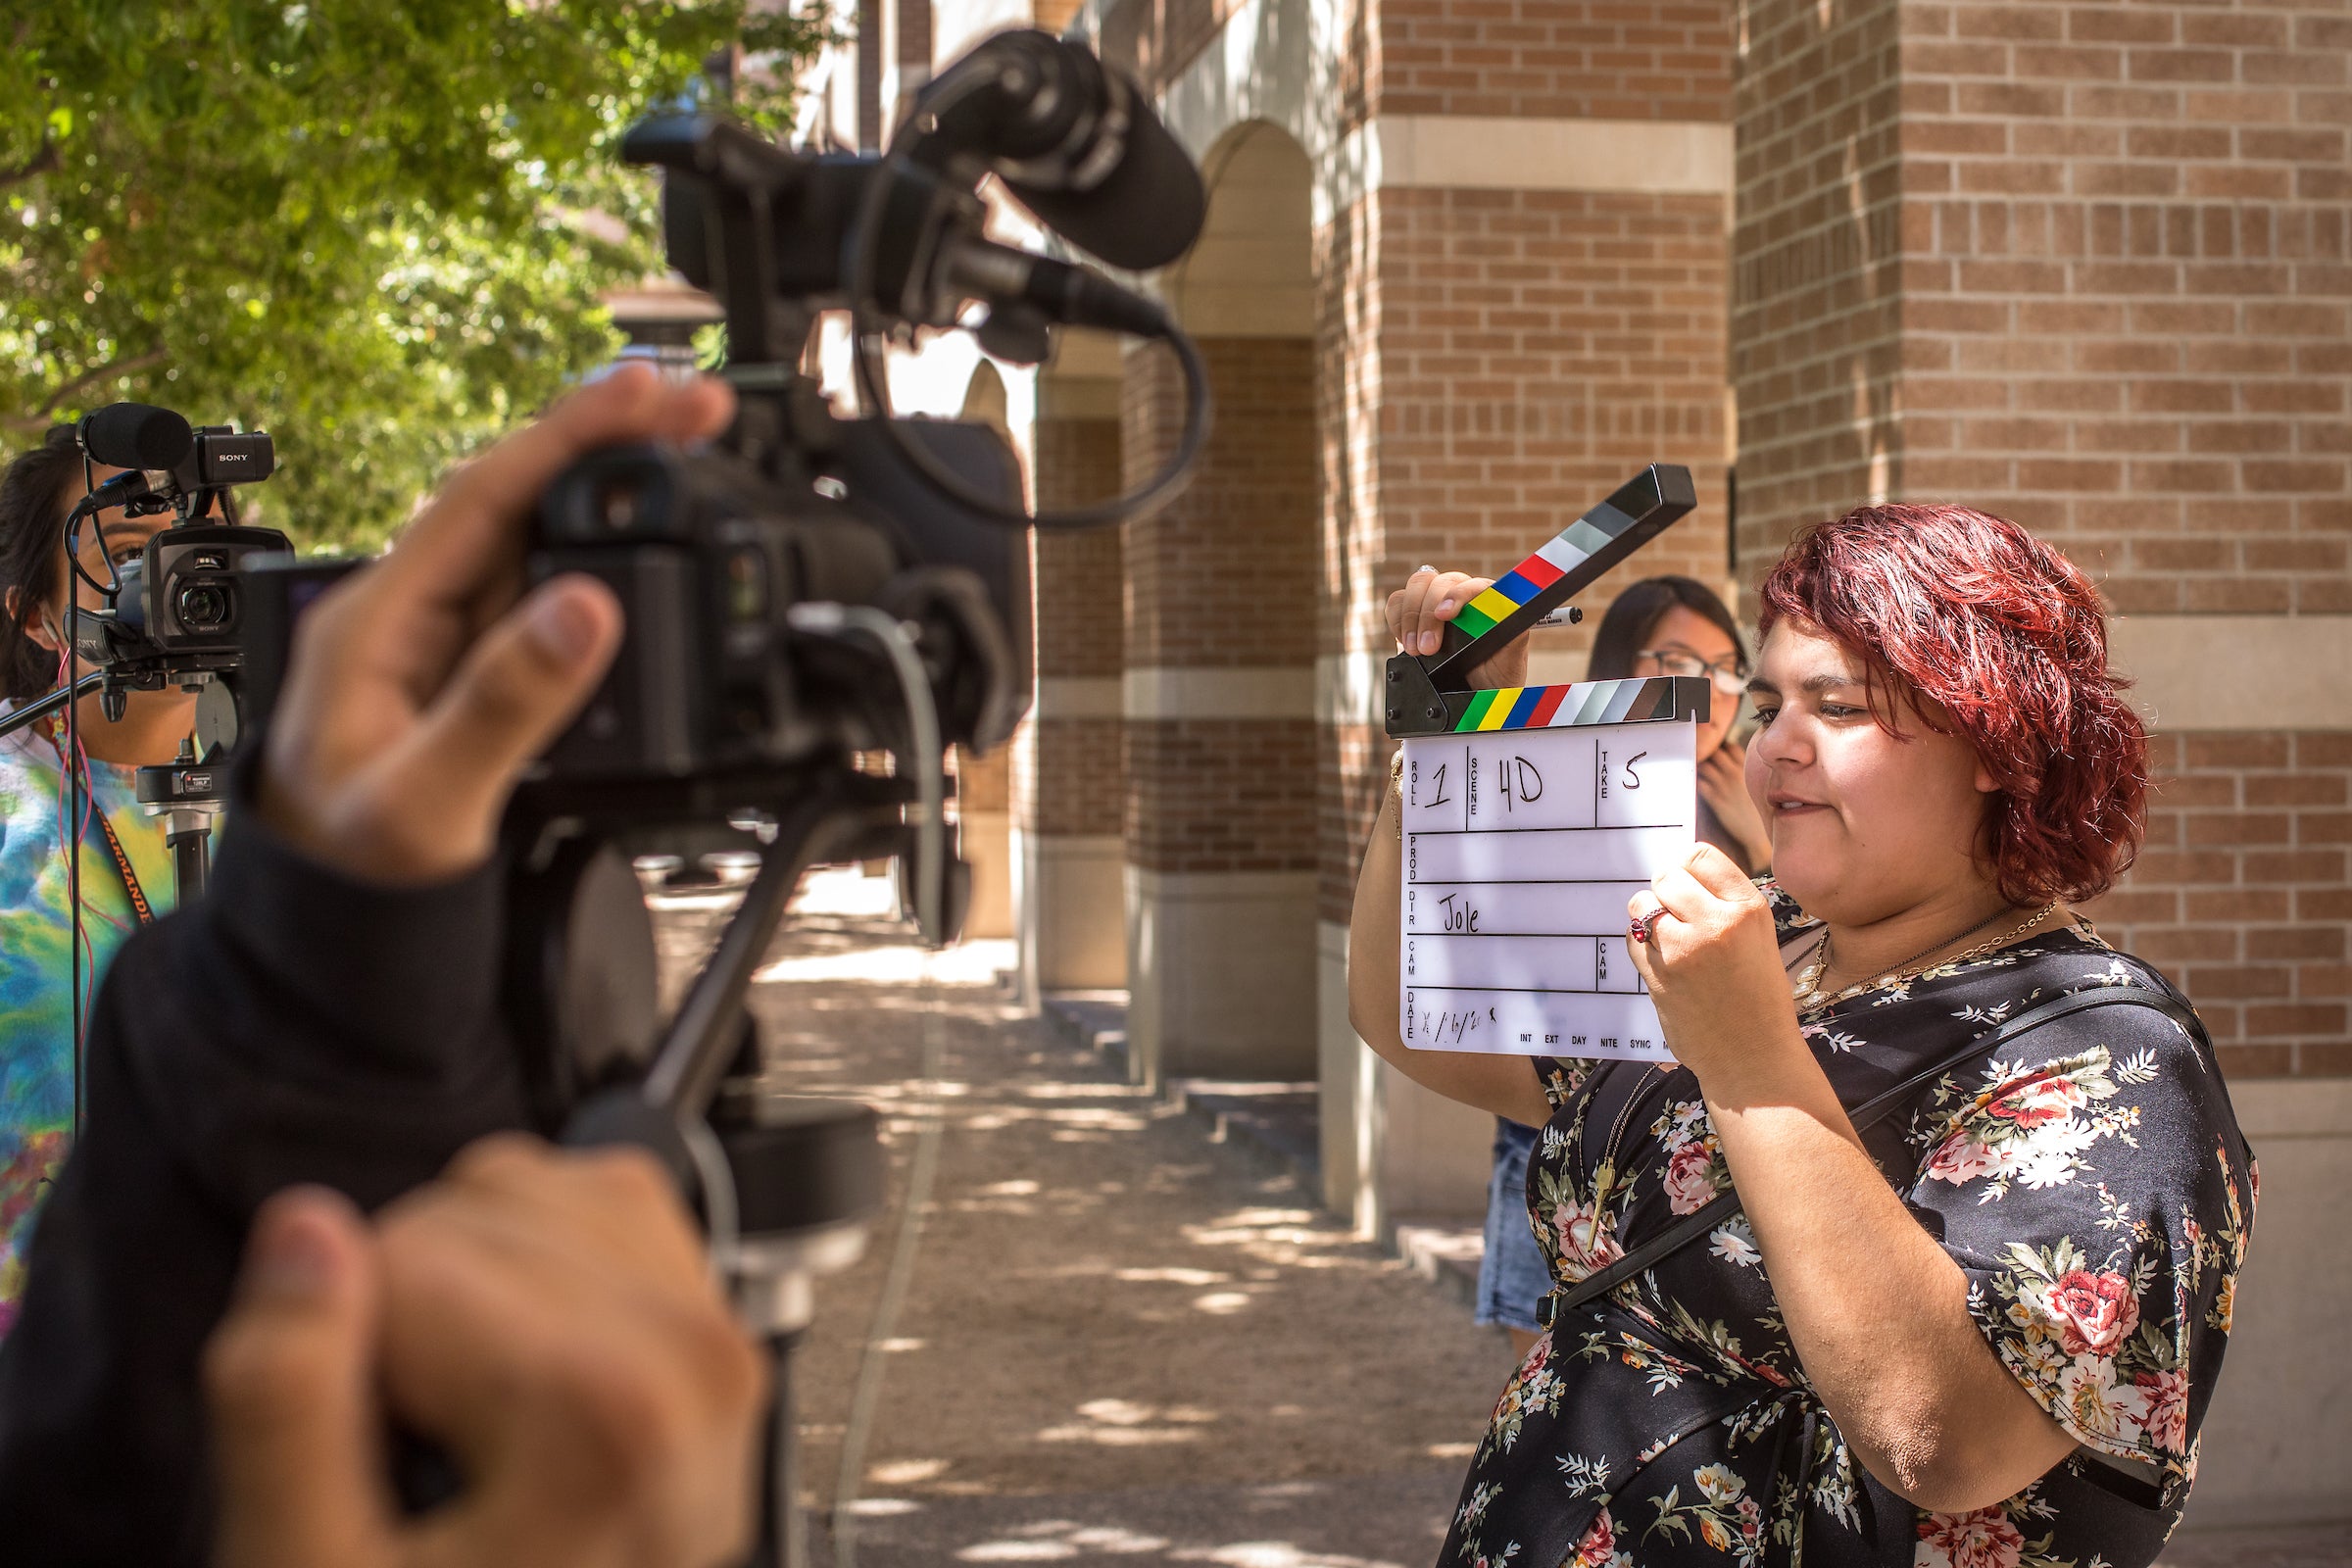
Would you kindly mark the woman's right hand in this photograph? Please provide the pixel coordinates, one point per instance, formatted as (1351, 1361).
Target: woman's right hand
(1419, 610)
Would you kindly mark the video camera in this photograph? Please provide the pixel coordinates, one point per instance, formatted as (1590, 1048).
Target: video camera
(174, 616)
(718, 558)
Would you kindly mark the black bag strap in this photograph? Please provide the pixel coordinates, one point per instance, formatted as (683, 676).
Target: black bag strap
(1868, 1115)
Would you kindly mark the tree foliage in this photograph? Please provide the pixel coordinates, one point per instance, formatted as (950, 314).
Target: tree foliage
(377, 228)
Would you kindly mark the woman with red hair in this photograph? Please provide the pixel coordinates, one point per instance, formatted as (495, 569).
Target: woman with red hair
(1924, 1248)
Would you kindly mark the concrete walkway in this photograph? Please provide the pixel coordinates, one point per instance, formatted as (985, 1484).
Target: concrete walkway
(1110, 1339)
(1119, 1340)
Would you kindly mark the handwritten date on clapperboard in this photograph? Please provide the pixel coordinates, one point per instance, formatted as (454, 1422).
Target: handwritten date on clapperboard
(1521, 847)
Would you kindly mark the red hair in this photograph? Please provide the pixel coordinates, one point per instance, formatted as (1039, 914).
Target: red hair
(2006, 636)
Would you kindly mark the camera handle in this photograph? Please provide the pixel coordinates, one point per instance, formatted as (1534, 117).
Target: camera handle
(188, 833)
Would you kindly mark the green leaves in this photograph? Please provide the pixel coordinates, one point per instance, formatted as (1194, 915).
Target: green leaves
(347, 221)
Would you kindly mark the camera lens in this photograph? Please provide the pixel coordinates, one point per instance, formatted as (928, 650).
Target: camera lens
(203, 605)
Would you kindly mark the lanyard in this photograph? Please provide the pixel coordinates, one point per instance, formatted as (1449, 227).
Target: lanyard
(130, 878)
(114, 844)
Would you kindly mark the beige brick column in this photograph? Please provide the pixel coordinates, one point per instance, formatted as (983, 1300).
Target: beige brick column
(2086, 267)
(983, 837)
(1068, 787)
(1218, 698)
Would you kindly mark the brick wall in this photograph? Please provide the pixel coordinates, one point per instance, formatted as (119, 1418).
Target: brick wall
(1220, 795)
(1080, 786)
(913, 22)
(1076, 573)
(2242, 894)
(2085, 267)
(1154, 40)
(867, 30)
(1598, 59)
(1494, 363)
(2126, 285)
(1223, 579)
(1225, 575)
(1815, 339)
(1072, 780)
(1544, 59)
(983, 783)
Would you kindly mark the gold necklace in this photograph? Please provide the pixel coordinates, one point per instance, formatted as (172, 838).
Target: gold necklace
(1604, 1174)
(1811, 979)
(1806, 991)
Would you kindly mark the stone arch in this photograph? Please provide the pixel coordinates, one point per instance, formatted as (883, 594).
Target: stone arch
(1251, 272)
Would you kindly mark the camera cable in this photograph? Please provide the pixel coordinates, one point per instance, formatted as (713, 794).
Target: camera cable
(77, 795)
(825, 618)
(866, 356)
(722, 1226)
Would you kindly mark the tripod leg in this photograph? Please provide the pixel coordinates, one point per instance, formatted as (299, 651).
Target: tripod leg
(693, 1055)
(784, 1529)
(191, 860)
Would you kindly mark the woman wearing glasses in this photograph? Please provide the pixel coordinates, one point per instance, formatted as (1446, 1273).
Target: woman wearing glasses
(1658, 627)
(1676, 626)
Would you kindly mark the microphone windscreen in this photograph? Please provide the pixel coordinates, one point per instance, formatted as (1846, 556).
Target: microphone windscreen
(135, 435)
(1145, 213)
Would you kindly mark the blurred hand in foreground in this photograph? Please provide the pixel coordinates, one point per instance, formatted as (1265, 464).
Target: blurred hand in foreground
(419, 688)
(1723, 785)
(549, 1319)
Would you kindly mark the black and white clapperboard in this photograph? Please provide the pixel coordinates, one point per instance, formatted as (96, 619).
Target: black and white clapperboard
(1533, 813)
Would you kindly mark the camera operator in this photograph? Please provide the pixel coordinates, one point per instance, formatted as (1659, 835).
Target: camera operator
(126, 867)
(331, 1016)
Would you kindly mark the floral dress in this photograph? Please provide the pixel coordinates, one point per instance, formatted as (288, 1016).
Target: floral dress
(2090, 1182)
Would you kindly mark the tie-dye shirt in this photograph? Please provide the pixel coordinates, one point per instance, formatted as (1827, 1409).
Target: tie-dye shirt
(36, 1002)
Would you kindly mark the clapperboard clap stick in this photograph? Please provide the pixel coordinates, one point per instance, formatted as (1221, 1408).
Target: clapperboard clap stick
(1434, 697)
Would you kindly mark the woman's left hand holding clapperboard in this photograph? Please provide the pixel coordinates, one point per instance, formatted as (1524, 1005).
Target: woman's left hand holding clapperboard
(1419, 611)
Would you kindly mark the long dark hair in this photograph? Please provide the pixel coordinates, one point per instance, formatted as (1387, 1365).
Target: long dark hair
(32, 528)
(1636, 612)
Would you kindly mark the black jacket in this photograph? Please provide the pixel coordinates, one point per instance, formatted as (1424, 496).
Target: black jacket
(291, 1027)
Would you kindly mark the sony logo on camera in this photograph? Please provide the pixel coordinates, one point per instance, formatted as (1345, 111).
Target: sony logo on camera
(220, 456)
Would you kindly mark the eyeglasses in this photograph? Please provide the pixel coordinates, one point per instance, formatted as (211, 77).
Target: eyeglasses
(1727, 675)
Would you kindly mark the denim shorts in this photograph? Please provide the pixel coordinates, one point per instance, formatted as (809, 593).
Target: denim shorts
(1512, 1277)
